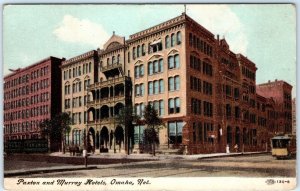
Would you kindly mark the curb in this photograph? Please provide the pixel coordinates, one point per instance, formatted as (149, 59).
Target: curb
(37, 171)
(233, 154)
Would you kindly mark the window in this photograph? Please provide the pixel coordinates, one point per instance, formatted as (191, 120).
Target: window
(139, 109)
(113, 60)
(195, 63)
(191, 39)
(171, 84)
(174, 105)
(228, 110)
(171, 106)
(161, 65)
(133, 53)
(178, 37)
(237, 112)
(174, 83)
(150, 68)
(196, 106)
(139, 71)
(128, 57)
(161, 108)
(155, 87)
(161, 86)
(195, 84)
(236, 93)
(150, 88)
(173, 40)
(173, 61)
(207, 68)
(207, 109)
(139, 50)
(167, 41)
(143, 50)
(155, 67)
(155, 46)
(139, 90)
(207, 88)
(175, 132)
(155, 63)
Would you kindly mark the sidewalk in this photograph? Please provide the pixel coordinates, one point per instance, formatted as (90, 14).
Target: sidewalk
(136, 157)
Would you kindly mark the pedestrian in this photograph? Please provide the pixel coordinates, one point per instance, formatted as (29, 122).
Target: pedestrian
(236, 147)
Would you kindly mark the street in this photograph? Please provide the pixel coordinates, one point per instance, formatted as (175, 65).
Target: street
(263, 165)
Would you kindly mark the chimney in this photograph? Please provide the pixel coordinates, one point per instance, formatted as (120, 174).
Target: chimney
(218, 38)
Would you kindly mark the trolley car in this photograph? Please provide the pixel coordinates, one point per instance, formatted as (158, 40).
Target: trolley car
(283, 146)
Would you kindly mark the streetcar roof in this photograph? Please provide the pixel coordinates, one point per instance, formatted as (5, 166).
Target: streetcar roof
(281, 137)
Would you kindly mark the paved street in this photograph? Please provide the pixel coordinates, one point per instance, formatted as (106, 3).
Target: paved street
(245, 166)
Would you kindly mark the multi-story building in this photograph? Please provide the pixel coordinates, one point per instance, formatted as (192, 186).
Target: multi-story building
(31, 95)
(205, 93)
(294, 124)
(77, 74)
(110, 93)
(280, 92)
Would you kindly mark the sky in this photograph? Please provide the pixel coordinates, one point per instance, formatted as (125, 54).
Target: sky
(265, 33)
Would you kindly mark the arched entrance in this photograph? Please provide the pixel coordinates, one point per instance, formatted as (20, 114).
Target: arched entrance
(119, 134)
(91, 140)
(104, 138)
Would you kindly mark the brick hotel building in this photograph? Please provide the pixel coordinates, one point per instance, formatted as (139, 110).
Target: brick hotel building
(206, 94)
(31, 95)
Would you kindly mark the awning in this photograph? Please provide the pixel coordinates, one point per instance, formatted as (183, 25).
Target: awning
(156, 42)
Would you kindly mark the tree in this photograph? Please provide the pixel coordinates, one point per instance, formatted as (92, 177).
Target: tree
(63, 122)
(56, 128)
(154, 123)
(126, 117)
(46, 127)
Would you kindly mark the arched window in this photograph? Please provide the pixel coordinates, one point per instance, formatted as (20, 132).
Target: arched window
(150, 68)
(161, 86)
(133, 53)
(118, 59)
(113, 60)
(173, 40)
(108, 63)
(177, 83)
(143, 49)
(128, 57)
(178, 37)
(167, 41)
(176, 61)
(161, 65)
(156, 87)
(138, 51)
(191, 39)
(171, 62)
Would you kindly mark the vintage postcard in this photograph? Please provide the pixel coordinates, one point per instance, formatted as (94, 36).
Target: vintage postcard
(149, 97)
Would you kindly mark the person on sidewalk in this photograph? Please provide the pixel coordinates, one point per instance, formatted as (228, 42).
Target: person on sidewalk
(236, 148)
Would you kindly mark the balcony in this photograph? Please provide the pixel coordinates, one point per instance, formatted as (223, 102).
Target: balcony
(103, 121)
(109, 82)
(106, 101)
(112, 70)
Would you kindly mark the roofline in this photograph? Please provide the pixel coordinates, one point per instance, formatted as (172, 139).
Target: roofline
(32, 65)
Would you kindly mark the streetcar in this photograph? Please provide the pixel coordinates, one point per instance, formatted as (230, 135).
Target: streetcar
(283, 146)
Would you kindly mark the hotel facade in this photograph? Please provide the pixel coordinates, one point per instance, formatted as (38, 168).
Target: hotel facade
(206, 94)
(31, 95)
